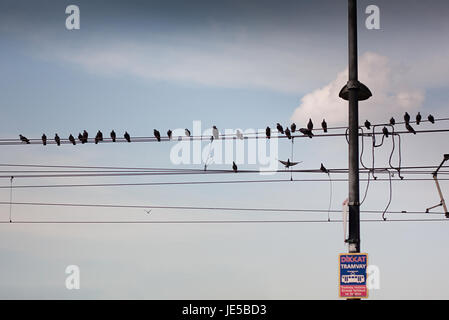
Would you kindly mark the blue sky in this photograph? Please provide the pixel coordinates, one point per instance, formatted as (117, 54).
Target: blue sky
(139, 65)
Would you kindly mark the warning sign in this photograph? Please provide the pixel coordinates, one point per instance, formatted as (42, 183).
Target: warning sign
(352, 276)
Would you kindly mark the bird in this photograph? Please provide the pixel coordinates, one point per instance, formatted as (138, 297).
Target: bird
(431, 119)
(24, 139)
(215, 132)
(293, 127)
(127, 136)
(407, 117)
(57, 139)
(157, 134)
(239, 134)
(85, 136)
(385, 132)
(187, 131)
(323, 169)
(169, 134)
(368, 125)
(234, 166)
(80, 137)
(113, 135)
(280, 129)
(288, 163)
(410, 128)
(324, 126)
(310, 125)
(44, 139)
(288, 134)
(72, 140)
(98, 137)
(306, 132)
(392, 121)
(418, 118)
(268, 132)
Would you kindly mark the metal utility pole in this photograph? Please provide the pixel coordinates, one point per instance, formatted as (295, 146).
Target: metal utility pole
(354, 91)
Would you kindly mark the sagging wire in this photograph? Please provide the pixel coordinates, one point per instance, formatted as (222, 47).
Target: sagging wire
(206, 163)
(398, 169)
(391, 195)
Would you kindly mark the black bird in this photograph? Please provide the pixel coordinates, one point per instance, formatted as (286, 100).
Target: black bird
(293, 127)
(169, 133)
(280, 129)
(368, 125)
(289, 164)
(310, 125)
(72, 140)
(80, 138)
(85, 136)
(385, 132)
(187, 131)
(57, 139)
(306, 132)
(234, 166)
(157, 134)
(24, 139)
(407, 117)
(288, 134)
(113, 135)
(98, 137)
(127, 136)
(323, 169)
(324, 126)
(44, 139)
(418, 118)
(392, 121)
(268, 132)
(431, 119)
(215, 132)
(410, 128)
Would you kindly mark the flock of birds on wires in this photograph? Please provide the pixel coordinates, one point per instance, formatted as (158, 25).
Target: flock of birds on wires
(308, 131)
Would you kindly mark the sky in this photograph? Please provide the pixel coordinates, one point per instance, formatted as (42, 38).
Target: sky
(138, 65)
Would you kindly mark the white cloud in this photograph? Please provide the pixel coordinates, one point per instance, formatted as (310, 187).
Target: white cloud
(391, 97)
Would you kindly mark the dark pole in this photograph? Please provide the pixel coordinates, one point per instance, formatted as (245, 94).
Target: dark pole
(353, 97)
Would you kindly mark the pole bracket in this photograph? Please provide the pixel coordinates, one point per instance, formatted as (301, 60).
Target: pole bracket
(364, 92)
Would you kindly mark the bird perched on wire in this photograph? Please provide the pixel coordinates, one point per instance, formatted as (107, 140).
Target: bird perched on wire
(234, 166)
(157, 134)
(279, 127)
(288, 163)
(169, 134)
(431, 119)
(306, 132)
(239, 134)
(310, 125)
(293, 127)
(72, 140)
(324, 125)
(288, 133)
(215, 132)
(418, 118)
(113, 135)
(98, 137)
(268, 132)
(368, 125)
(85, 136)
(187, 132)
(127, 136)
(57, 139)
(44, 139)
(392, 121)
(407, 117)
(80, 137)
(24, 139)
(323, 169)
(385, 132)
(410, 128)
